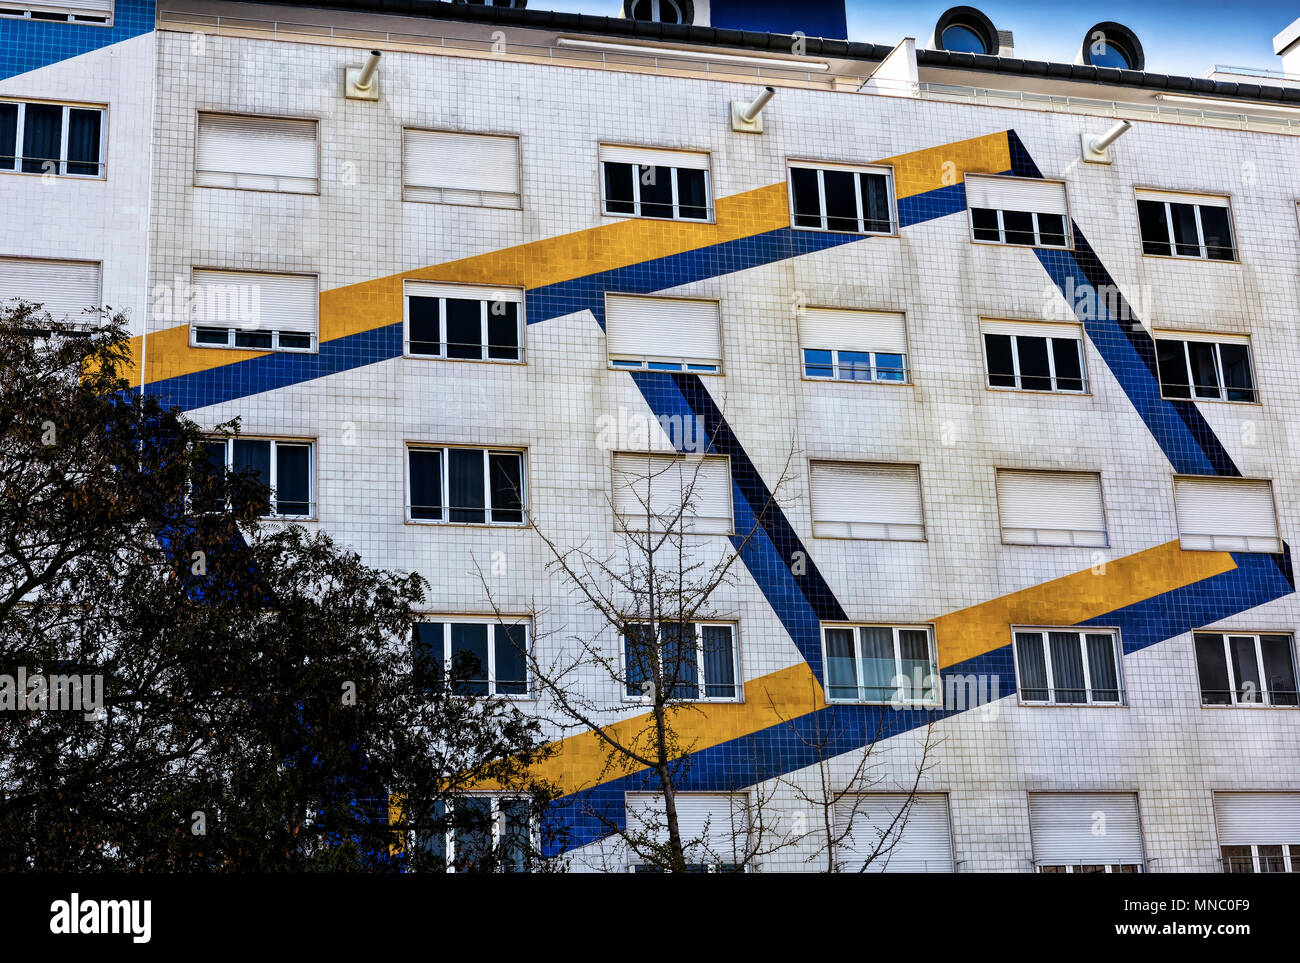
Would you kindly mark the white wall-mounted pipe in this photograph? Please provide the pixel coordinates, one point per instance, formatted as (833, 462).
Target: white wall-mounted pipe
(749, 113)
(368, 71)
(1099, 144)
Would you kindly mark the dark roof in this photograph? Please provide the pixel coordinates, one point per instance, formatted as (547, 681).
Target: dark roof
(821, 47)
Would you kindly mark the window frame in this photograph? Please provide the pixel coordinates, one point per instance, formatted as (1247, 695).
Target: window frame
(1290, 858)
(814, 521)
(1117, 868)
(73, 14)
(621, 527)
(1173, 254)
(1117, 651)
(63, 161)
(1068, 217)
(821, 166)
(711, 207)
(492, 621)
(1085, 391)
(1101, 495)
(701, 682)
(445, 508)
(233, 330)
(936, 701)
(519, 164)
(495, 798)
(1175, 477)
(521, 323)
(275, 440)
(1185, 338)
(1233, 703)
(194, 160)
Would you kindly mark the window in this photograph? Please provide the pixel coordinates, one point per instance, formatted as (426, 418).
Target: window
(839, 197)
(1068, 666)
(1059, 508)
(270, 312)
(1246, 670)
(1206, 367)
(1259, 832)
(463, 323)
(893, 833)
(1018, 210)
(714, 828)
(881, 663)
(283, 466)
(1226, 514)
(444, 167)
(1034, 357)
(660, 11)
(51, 139)
(845, 345)
(855, 500)
(663, 334)
(481, 833)
(1085, 832)
(480, 657)
(65, 288)
(696, 661)
(1185, 225)
(644, 182)
(467, 486)
(682, 493)
(257, 153)
(99, 12)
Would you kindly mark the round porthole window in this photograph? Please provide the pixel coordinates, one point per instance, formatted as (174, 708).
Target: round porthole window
(517, 4)
(965, 30)
(1110, 44)
(660, 11)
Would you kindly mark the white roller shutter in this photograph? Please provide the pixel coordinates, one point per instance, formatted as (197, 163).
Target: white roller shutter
(717, 822)
(1051, 508)
(256, 153)
(1226, 514)
(1016, 194)
(650, 157)
(91, 8)
(1257, 818)
(454, 168)
(1032, 329)
(1204, 200)
(1085, 828)
(922, 845)
(663, 329)
(651, 490)
(849, 330)
(256, 302)
(852, 500)
(65, 288)
(466, 292)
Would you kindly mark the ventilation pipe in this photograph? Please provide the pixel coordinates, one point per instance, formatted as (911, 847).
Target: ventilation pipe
(361, 83)
(1096, 149)
(748, 118)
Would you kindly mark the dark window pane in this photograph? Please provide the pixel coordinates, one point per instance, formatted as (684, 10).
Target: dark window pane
(294, 340)
(503, 330)
(1172, 363)
(1279, 669)
(8, 136)
(1237, 377)
(83, 141)
(465, 485)
(511, 644)
(1270, 859)
(841, 201)
(426, 483)
(985, 224)
(1069, 368)
(1245, 668)
(293, 479)
(212, 336)
(891, 367)
(914, 661)
(516, 839)
(1102, 671)
(1067, 668)
(507, 480)
(1186, 241)
(680, 660)
(1238, 859)
(841, 667)
(42, 134)
(1212, 668)
(639, 653)
(1205, 376)
(431, 837)
(656, 191)
(1154, 227)
(472, 819)
(817, 363)
(1217, 228)
(1002, 372)
(1035, 375)
(619, 194)
(464, 328)
(807, 197)
(692, 198)
(1019, 226)
(253, 339)
(208, 478)
(428, 655)
(1033, 668)
(875, 202)
(876, 651)
(719, 662)
(422, 314)
(469, 658)
(1051, 229)
(253, 457)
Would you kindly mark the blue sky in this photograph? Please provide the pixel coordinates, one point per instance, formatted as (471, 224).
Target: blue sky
(1179, 36)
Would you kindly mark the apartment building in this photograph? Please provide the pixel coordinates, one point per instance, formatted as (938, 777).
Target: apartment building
(995, 389)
